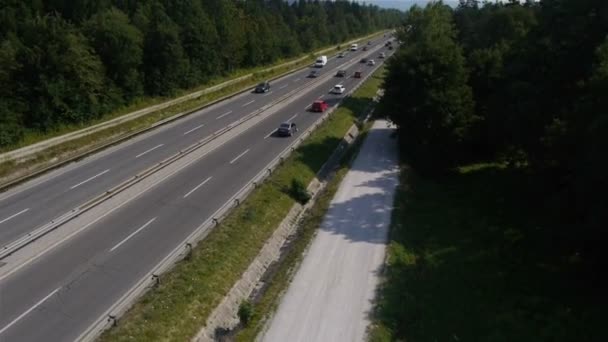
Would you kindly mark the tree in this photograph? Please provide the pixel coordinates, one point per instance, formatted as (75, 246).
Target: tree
(426, 91)
(120, 47)
(61, 79)
(165, 62)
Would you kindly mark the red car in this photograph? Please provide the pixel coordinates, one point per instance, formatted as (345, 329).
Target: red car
(319, 106)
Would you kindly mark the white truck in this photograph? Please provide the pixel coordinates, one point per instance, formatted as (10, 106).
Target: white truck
(354, 47)
(321, 61)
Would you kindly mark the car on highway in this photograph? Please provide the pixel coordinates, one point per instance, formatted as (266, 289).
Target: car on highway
(382, 55)
(341, 55)
(371, 62)
(369, 42)
(365, 48)
(358, 74)
(313, 73)
(341, 73)
(287, 129)
(363, 60)
(338, 89)
(319, 106)
(390, 47)
(263, 87)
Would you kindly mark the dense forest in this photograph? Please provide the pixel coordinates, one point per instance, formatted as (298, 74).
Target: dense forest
(72, 61)
(521, 84)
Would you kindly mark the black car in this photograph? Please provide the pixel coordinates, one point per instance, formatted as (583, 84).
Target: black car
(363, 60)
(341, 73)
(263, 87)
(313, 73)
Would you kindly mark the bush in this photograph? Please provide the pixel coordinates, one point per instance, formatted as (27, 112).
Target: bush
(298, 191)
(245, 312)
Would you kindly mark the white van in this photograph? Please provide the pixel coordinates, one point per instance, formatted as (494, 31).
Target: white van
(354, 47)
(321, 61)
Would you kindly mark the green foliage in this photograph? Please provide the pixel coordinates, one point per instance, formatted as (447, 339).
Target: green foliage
(245, 312)
(538, 75)
(298, 192)
(473, 257)
(71, 62)
(426, 90)
(119, 45)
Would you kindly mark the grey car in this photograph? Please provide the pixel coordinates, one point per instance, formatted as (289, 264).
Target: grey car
(287, 129)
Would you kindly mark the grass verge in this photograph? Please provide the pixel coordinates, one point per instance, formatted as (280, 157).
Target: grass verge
(180, 305)
(476, 256)
(75, 147)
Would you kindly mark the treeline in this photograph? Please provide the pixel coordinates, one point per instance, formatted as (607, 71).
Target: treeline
(71, 61)
(522, 83)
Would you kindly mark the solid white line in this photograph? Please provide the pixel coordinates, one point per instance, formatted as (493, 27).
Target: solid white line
(297, 79)
(84, 181)
(248, 103)
(132, 234)
(29, 310)
(291, 118)
(271, 133)
(198, 186)
(150, 150)
(15, 215)
(221, 116)
(320, 97)
(194, 129)
(283, 86)
(239, 156)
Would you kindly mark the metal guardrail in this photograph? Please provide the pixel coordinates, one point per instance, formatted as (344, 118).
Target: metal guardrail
(152, 278)
(74, 213)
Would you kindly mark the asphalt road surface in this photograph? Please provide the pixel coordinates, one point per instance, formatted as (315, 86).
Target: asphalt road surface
(331, 295)
(56, 297)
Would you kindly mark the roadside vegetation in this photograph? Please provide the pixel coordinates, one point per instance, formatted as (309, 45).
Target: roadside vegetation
(182, 302)
(65, 64)
(500, 222)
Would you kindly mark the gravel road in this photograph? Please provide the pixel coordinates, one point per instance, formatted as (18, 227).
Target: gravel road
(332, 293)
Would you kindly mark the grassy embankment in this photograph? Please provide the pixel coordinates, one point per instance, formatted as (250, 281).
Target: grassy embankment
(180, 305)
(478, 256)
(74, 147)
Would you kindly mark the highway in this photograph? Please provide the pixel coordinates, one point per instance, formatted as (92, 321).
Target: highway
(57, 296)
(33, 205)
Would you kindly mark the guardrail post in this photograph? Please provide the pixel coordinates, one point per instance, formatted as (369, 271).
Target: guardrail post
(215, 221)
(112, 319)
(188, 255)
(155, 279)
(237, 202)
